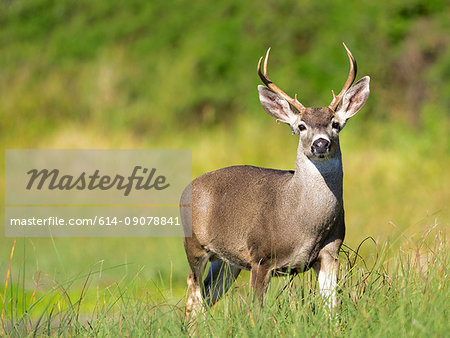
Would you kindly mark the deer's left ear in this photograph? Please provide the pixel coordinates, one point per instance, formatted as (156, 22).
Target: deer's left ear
(277, 106)
(354, 99)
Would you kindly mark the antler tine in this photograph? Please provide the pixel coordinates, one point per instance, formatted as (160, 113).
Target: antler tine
(351, 77)
(265, 79)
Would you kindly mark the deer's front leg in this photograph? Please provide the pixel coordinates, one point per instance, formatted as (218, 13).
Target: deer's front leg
(326, 268)
(259, 281)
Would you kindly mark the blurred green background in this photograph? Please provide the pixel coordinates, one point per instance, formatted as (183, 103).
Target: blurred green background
(182, 74)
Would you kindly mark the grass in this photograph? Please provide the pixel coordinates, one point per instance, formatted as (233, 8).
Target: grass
(394, 189)
(393, 293)
(132, 286)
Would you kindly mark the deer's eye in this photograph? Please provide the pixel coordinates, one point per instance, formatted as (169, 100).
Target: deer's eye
(335, 125)
(301, 127)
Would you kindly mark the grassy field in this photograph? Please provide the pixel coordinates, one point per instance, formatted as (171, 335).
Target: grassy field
(397, 284)
(179, 74)
(394, 292)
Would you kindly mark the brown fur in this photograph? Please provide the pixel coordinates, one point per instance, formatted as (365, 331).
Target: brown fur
(271, 221)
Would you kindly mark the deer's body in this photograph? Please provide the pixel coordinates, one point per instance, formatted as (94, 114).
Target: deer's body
(272, 221)
(237, 206)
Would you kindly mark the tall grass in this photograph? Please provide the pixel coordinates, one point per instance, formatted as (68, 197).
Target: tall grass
(395, 292)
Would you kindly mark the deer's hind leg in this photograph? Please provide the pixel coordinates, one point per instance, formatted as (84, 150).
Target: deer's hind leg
(221, 276)
(197, 258)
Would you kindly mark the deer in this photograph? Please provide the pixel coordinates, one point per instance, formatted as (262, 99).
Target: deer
(268, 221)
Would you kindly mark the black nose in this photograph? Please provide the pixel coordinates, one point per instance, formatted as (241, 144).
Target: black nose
(320, 145)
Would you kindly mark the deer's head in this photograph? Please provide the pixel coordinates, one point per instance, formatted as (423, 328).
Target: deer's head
(318, 128)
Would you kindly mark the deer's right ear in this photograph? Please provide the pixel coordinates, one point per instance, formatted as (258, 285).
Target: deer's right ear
(354, 99)
(276, 106)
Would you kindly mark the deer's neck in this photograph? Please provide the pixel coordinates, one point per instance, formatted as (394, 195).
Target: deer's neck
(319, 176)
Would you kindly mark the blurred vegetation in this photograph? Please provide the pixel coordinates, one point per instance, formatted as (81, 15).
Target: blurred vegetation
(163, 67)
(182, 74)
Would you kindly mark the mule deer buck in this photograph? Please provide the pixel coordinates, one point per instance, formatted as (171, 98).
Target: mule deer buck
(274, 221)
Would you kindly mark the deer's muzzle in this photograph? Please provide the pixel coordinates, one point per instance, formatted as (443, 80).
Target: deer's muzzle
(320, 146)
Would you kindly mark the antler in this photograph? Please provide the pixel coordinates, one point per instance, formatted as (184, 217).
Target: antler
(351, 77)
(272, 86)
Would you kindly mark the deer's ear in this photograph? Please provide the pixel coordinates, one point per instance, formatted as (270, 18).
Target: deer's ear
(276, 106)
(354, 99)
